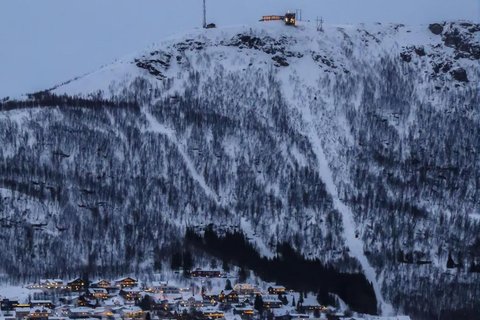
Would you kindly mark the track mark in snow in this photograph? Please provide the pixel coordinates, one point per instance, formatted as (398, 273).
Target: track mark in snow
(247, 229)
(354, 244)
(157, 127)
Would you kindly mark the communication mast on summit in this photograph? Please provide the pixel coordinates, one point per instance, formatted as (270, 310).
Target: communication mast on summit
(205, 24)
(320, 24)
(204, 14)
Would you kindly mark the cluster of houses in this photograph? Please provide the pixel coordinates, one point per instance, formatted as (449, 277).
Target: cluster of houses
(127, 298)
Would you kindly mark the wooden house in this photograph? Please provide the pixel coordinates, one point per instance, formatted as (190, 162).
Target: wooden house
(271, 302)
(77, 285)
(127, 282)
(279, 314)
(246, 289)
(132, 312)
(102, 313)
(277, 290)
(8, 304)
(230, 296)
(39, 314)
(313, 307)
(98, 293)
(49, 284)
(170, 290)
(243, 310)
(211, 313)
(42, 303)
(22, 312)
(101, 284)
(80, 312)
(131, 294)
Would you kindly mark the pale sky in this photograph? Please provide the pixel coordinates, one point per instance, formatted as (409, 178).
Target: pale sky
(45, 42)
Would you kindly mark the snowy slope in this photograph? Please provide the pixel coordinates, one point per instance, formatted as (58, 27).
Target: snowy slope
(337, 142)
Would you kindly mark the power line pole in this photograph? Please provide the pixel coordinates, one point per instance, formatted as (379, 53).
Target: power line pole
(320, 24)
(204, 14)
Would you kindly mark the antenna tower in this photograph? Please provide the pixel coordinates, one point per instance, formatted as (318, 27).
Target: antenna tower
(320, 24)
(204, 14)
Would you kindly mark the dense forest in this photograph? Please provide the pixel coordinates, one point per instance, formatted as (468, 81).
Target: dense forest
(289, 268)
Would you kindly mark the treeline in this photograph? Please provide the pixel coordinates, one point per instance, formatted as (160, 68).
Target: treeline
(49, 99)
(289, 268)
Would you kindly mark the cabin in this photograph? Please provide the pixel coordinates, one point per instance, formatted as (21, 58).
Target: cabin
(170, 290)
(246, 289)
(277, 290)
(192, 302)
(126, 282)
(102, 313)
(271, 302)
(98, 293)
(39, 314)
(213, 296)
(230, 296)
(77, 285)
(132, 312)
(48, 284)
(211, 313)
(243, 310)
(8, 305)
(80, 312)
(22, 312)
(290, 19)
(10, 315)
(83, 301)
(101, 284)
(280, 314)
(313, 307)
(42, 303)
(131, 294)
(156, 286)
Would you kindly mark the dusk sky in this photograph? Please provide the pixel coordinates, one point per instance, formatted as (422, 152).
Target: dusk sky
(46, 42)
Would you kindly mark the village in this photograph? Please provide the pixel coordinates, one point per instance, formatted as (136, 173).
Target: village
(210, 294)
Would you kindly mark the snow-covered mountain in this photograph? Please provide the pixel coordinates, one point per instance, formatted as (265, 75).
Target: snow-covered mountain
(357, 145)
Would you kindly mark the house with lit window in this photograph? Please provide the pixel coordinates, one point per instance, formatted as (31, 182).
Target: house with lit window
(132, 312)
(271, 301)
(277, 290)
(39, 314)
(80, 313)
(127, 282)
(101, 284)
(211, 313)
(98, 293)
(77, 285)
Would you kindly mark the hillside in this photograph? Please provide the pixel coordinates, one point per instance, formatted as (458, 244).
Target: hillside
(357, 146)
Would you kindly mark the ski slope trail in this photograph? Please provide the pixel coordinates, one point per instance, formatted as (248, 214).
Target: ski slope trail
(354, 244)
(157, 127)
